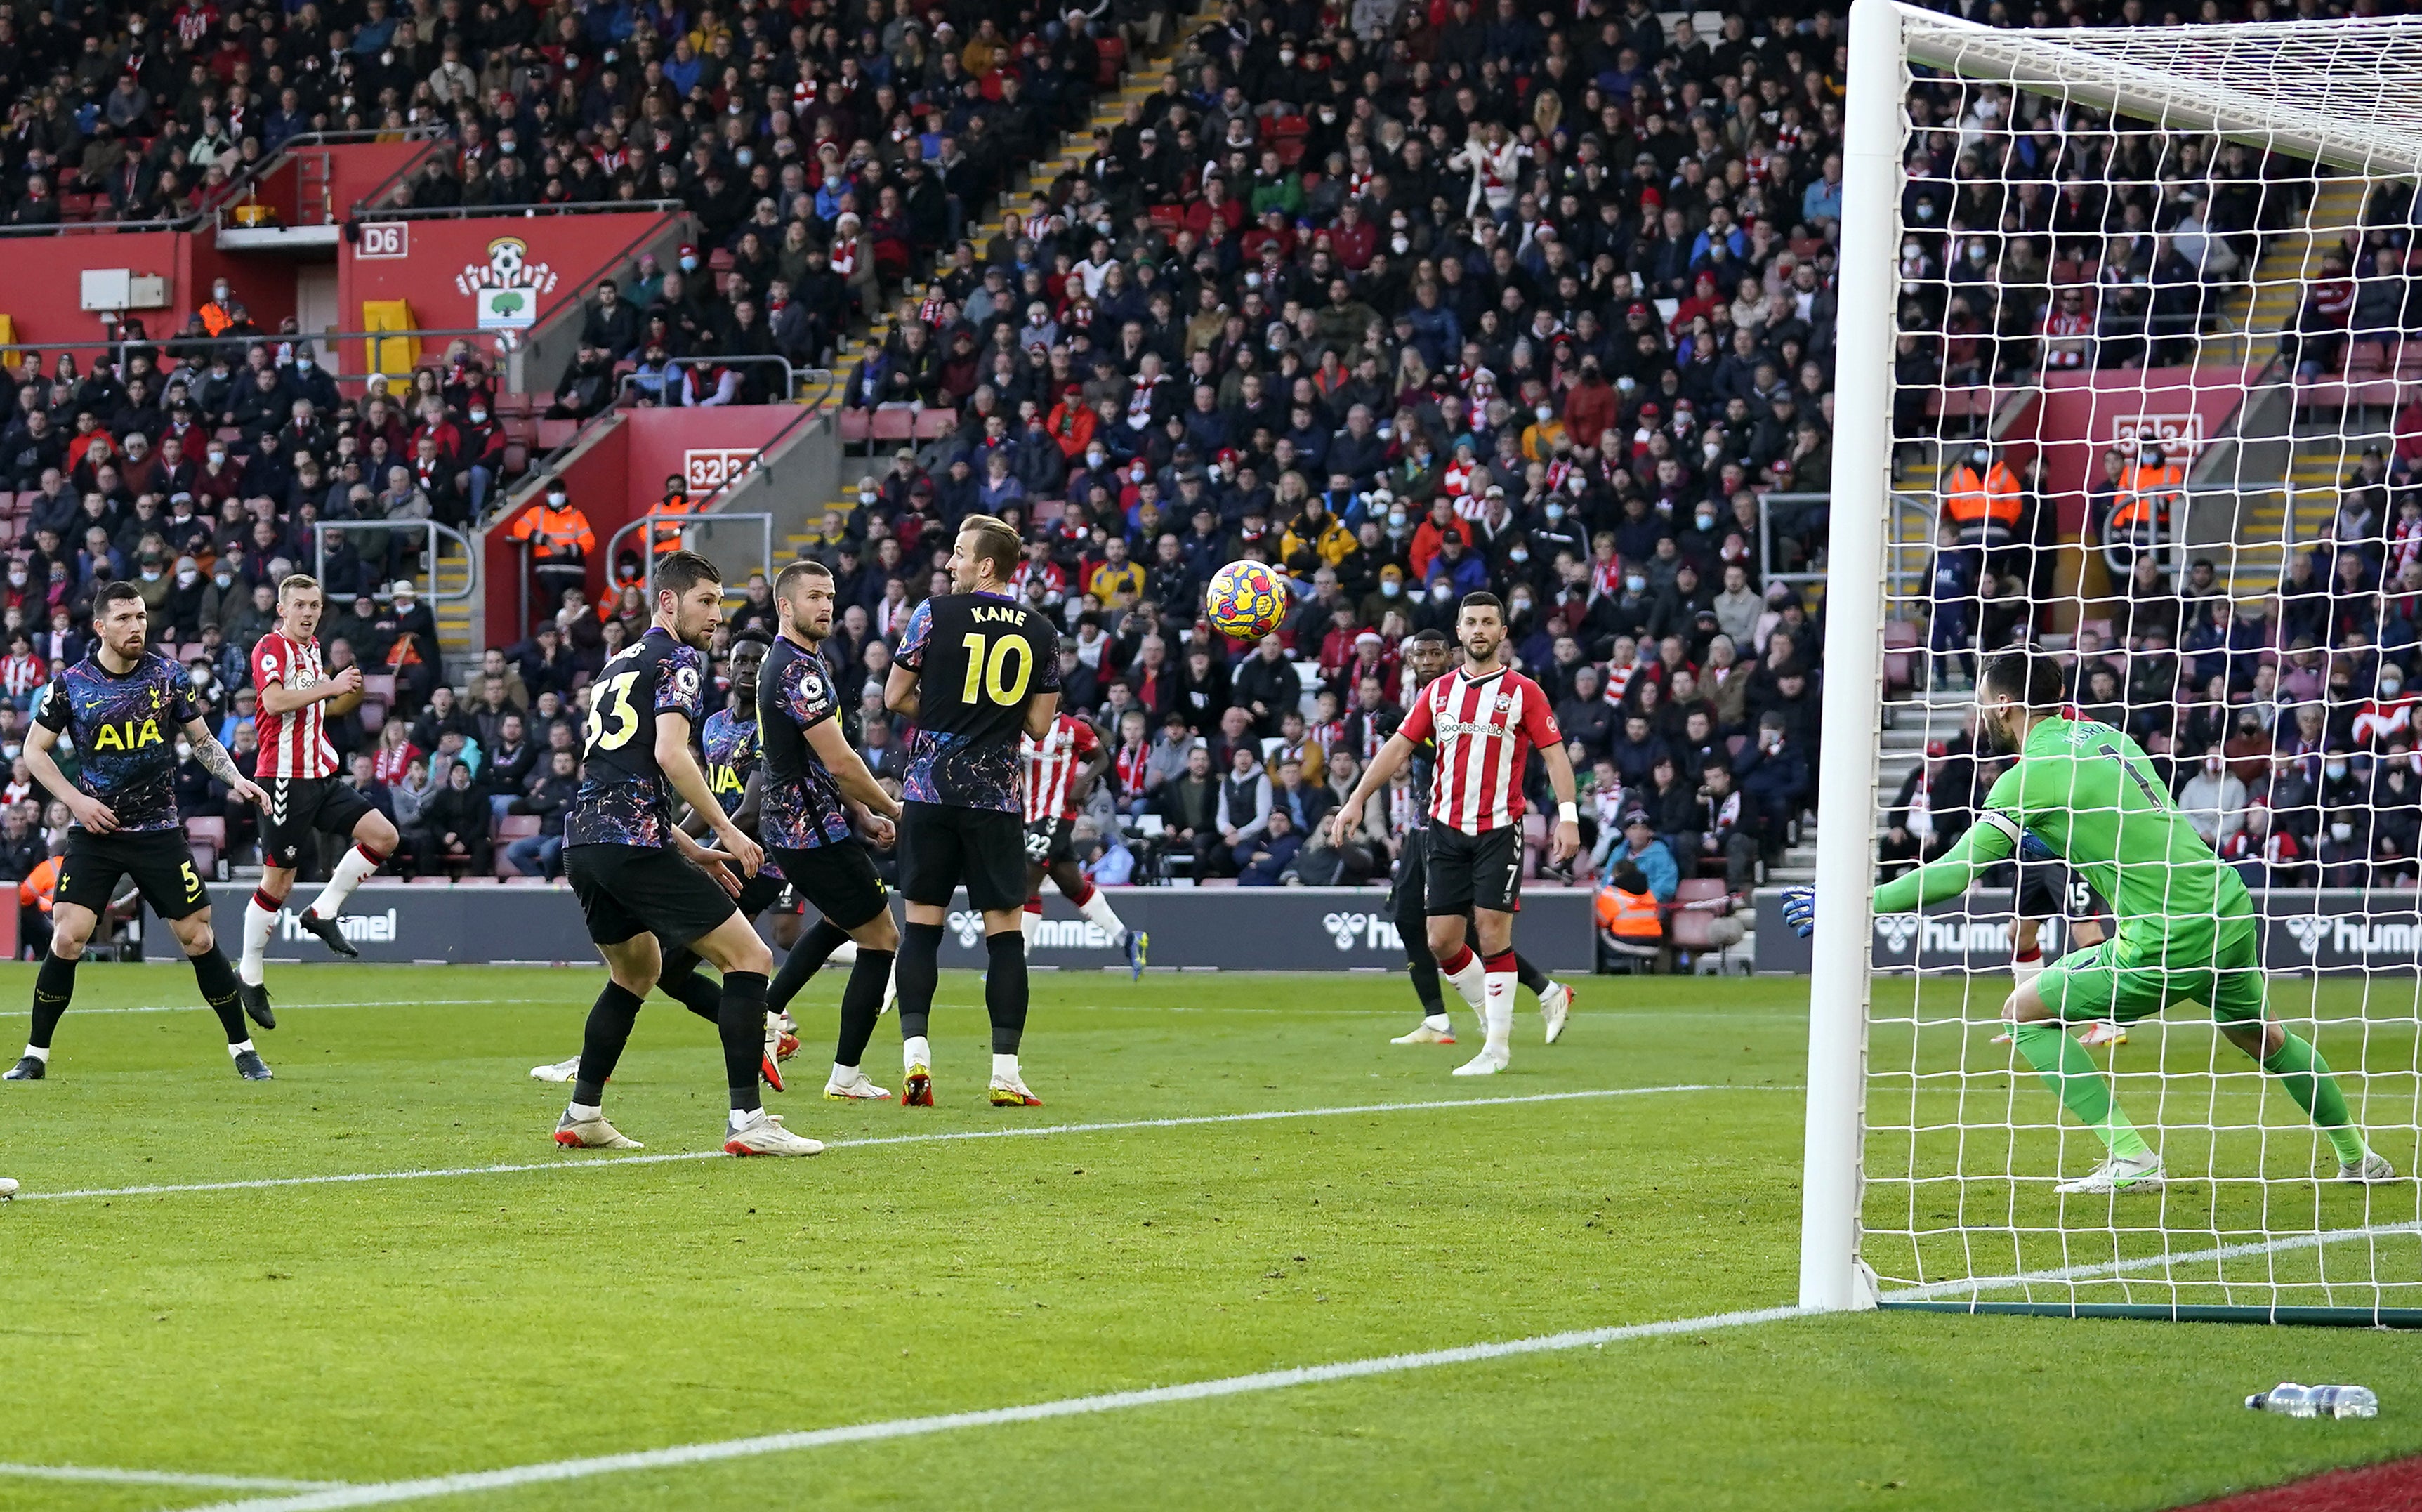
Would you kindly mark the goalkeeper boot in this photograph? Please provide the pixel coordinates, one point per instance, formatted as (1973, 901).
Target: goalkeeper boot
(1555, 1006)
(2102, 1033)
(559, 1071)
(764, 1134)
(1426, 1033)
(2371, 1170)
(32, 1068)
(2117, 1174)
(1011, 1091)
(249, 1065)
(916, 1091)
(855, 1088)
(591, 1134)
(329, 934)
(1491, 1061)
(255, 997)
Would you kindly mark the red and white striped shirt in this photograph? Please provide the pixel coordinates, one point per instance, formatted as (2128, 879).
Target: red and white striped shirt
(1051, 766)
(295, 743)
(1485, 729)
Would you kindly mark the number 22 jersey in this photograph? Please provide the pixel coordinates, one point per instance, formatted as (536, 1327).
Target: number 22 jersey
(979, 658)
(624, 798)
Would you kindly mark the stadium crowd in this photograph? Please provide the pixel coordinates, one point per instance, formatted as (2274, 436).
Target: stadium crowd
(1409, 300)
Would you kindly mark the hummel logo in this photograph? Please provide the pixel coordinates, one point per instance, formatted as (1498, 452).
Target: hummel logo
(2309, 930)
(1897, 930)
(1343, 927)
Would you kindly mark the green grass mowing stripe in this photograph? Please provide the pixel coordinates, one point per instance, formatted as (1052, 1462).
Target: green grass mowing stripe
(942, 1137)
(774, 1443)
(2165, 1260)
(107, 1475)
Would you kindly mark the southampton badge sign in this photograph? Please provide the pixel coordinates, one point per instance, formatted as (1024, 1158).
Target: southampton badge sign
(506, 288)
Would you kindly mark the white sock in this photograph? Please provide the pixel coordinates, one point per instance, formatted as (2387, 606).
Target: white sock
(1497, 1009)
(39, 1052)
(349, 874)
(258, 924)
(844, 1075)
(914, 1053)
(2023, 973)
(1436, 1021)
(239, 1047)
(1027, 923)
(740, 1120)
(844, 953)
(585, 1113)
(1098, 909)
(1470, 981)
(1005, 1069)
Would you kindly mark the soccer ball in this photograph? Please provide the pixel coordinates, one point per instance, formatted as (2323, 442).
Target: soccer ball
(1246, 600)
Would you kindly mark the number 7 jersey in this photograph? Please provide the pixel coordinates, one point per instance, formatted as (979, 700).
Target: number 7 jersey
(624, 798)
(979, 658)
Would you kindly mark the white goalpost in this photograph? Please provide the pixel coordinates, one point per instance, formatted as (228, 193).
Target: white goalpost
(2129, 342)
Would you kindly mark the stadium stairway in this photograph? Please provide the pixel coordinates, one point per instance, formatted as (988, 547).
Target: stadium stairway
(2248, 328)
(1143, 79)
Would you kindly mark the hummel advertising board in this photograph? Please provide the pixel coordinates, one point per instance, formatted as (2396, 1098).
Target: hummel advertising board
(2304, 930)
(1299, 929)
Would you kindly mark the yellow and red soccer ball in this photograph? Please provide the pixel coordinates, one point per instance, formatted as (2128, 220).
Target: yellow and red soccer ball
(1246, 600)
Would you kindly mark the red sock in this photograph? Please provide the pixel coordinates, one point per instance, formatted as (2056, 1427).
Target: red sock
(1034, 904)
(1085, 895)
(375, 857)
(2036, 954)
(262, 897)
(1452, 964)
(1495, 965)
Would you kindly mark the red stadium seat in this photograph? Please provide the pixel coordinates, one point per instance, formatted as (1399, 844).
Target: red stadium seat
(1112, 51)
(207, 830)
(856, 425)
(895, 424)
(552, 433)
(935, 422)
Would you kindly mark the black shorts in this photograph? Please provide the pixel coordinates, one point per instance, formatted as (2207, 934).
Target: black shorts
(2049, 890)
(1051, 843)
(837, 880)
(759, 894)
(159, 861)
(1410, 893)
(1467, 871)
(300, 806)
(637, 890)
(941, 846)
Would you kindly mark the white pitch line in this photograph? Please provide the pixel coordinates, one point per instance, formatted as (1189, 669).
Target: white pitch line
(1013, 1132)
(165, 1477)
(197, 1007)
(774, 1443)
(2165, 1261)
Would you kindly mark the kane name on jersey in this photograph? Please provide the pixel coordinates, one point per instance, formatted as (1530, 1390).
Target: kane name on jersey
(732, 754)
(803, 806)
(624, 798)
(979, 658)
(124, 730)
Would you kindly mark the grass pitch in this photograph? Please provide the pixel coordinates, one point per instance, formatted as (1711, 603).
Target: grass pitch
(367, 1331)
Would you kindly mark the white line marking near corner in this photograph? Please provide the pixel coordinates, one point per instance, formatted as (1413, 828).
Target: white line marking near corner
(108, 1475)
(388, 1492)
(2112, 1269)
(940, 1137)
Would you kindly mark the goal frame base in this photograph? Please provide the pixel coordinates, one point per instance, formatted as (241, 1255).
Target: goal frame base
(2322, 1318)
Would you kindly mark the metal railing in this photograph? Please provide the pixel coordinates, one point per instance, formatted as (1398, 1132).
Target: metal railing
(683, 522)
(1766, 572)
(585, 206)
(231, 194)
(434, 530)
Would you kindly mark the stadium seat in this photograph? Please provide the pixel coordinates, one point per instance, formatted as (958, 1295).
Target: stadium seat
(932, 423)
(206, 829)
(1112, 52)
(372, 715)
(1700, 889)
(894, 422)
(554, 433)
(206, 860)
(856, 426)
(379, 686)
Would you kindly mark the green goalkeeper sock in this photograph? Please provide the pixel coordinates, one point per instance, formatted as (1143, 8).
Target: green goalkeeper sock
(2301, 1069)
(2078, 1082)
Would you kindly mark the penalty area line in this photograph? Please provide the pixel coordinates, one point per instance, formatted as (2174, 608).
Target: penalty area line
(388, 1492)
(110, 1476)
(938, 1136)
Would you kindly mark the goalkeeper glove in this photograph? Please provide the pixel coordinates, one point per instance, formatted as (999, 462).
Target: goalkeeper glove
(2032, 848)
(1799, 910)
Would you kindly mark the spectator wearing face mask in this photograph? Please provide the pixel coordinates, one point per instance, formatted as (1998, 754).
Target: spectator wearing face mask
(2214, 801)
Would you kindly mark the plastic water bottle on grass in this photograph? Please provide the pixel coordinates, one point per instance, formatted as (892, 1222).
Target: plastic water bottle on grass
(2289, 1399)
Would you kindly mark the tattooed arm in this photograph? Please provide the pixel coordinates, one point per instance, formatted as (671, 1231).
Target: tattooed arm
(214, 760)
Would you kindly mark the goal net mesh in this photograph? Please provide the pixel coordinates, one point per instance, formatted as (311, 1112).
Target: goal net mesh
(2157, 340)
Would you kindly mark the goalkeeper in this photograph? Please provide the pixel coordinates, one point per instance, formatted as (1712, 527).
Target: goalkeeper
(2188, 929)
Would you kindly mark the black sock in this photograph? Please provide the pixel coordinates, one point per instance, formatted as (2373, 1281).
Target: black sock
(743, 1022)
(600, 1044)
(921, 971)
(862, 1004)
(1005, 988)
(218, 981)
(805, 959)
(683, 986)
(1420, 964)
(53, 986)
(1531, 976)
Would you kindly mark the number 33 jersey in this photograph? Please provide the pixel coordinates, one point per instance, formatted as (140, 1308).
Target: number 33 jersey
(624, 798)
(978, 659)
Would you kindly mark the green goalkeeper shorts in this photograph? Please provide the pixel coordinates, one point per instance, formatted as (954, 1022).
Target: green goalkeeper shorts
(2221, 969)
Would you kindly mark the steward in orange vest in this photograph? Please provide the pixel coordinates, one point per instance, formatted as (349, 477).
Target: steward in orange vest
(2147, 488)
(1983, 498)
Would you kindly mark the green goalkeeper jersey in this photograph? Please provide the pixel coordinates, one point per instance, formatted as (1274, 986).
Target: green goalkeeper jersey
(2088, 792)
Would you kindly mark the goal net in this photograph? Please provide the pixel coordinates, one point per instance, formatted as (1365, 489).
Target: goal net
(2131, 374)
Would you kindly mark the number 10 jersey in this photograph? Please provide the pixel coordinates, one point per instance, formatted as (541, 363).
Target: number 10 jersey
(624, 798)
(979, 658)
